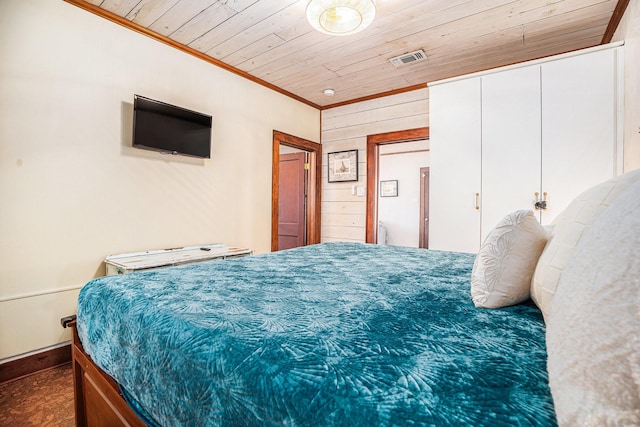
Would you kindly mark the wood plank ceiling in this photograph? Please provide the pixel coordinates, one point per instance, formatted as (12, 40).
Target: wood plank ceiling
(270, 40)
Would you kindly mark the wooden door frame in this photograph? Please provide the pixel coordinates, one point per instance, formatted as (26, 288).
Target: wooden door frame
(312, 219)
(373, 154)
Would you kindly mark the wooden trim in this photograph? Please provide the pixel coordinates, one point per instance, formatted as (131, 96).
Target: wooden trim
(417, 134)
(315, 181)
(371, 231)
(375, 96)
(33, 363)
(616, 17)
(373, 152)
(275, 191)
(96, 10)
(110, 16)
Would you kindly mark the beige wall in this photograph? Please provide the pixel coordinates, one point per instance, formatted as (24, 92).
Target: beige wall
(346, 128)
(73, 190)
(629, 31)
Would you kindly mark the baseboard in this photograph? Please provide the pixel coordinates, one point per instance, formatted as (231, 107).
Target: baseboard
(32, 363)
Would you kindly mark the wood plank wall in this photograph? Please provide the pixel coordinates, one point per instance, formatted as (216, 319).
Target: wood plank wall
(346, 128)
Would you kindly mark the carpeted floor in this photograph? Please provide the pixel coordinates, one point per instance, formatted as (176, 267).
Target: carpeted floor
(41, 399)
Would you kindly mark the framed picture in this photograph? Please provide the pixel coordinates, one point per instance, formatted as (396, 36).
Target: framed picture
(343, 166)
(389, 188)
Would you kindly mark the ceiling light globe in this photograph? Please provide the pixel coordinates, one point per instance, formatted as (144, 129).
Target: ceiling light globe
(340, 17)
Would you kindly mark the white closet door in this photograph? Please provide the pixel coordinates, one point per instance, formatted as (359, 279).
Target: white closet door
(454, 134)
(510, 143)
(578, 126)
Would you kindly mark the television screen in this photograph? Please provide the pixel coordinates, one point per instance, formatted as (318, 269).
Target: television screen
(170, 129)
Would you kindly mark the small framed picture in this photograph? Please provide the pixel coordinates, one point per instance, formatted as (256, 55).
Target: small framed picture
(389, 188)
(343, 166)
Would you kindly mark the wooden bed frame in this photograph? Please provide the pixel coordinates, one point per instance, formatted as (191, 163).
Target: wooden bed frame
(98, 401)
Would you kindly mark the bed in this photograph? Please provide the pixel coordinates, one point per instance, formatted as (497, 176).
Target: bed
(334, 334)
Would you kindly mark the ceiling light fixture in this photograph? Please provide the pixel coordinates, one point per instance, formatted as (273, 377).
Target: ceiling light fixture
(340, 17)
(329, 92)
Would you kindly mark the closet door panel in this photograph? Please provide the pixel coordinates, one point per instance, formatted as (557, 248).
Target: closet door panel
(510, 143)
(578, 126)
(454, 134)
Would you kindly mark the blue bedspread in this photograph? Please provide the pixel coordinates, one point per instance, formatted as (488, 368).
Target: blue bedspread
(336, 334)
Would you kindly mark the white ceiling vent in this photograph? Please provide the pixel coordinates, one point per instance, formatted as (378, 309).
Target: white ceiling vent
(408, 58)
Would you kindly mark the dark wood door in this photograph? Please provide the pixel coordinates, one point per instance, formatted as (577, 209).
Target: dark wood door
(424, 208)
(291, 202)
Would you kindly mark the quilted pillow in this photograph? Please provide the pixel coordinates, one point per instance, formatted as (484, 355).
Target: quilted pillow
(502, 271)
(568, 228)
(593, 326)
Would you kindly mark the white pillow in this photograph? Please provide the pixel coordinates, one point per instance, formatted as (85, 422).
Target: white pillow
(504, 265)
(593, 326)
(568, 228)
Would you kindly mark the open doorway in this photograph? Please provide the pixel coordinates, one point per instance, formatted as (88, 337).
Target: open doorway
(399, 167)
(374, 144)
(295, 194)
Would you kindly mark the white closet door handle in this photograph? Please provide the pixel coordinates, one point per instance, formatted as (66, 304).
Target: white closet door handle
(477, 201)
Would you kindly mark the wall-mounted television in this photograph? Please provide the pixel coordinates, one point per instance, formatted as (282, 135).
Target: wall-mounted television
(170, 129)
